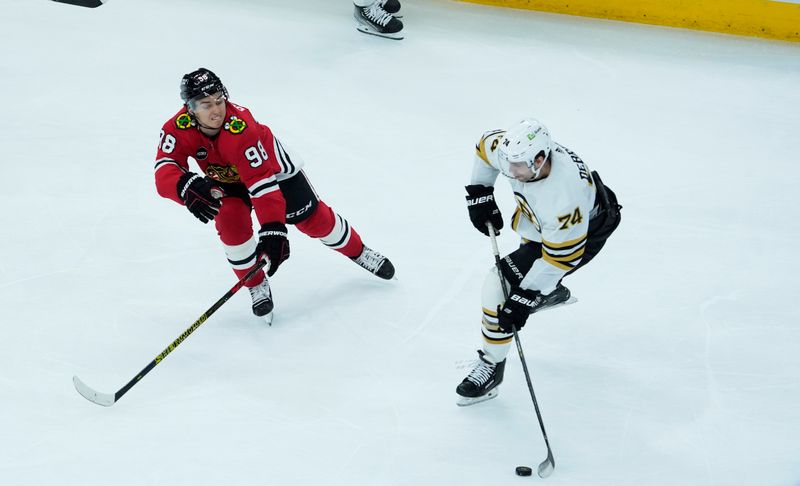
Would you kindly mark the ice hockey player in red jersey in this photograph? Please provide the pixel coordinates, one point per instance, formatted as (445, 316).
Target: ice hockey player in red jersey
(245, 168)
(564, 216)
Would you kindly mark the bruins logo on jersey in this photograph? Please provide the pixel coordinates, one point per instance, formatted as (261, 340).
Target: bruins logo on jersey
(236, 125)
(223, 173)
(184, 121)
(523, 211)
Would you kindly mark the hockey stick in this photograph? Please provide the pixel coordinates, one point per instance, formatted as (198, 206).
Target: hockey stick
(107, 399)
(547, 466)
(83, 3)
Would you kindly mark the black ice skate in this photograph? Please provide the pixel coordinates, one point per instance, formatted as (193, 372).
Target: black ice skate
(481, 383)
(560, 296)
(391, 6)
(262, 300)
(376, 263)
(375, 20)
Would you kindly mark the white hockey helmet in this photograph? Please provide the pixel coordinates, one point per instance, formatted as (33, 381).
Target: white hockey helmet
(522, 144)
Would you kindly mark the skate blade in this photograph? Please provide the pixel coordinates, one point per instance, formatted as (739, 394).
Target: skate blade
(268, 318)
(366, 30)
(569, 301)
(467, 401)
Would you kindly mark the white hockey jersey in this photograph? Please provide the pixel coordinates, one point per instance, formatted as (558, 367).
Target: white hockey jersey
(553, 211)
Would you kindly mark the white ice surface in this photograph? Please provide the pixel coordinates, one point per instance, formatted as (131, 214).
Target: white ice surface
(679, 365)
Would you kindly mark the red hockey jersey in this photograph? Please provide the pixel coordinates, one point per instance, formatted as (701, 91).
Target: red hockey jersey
(244, 151)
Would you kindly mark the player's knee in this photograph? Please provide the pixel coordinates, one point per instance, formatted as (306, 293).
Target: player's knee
(492, 293)
(320, 223)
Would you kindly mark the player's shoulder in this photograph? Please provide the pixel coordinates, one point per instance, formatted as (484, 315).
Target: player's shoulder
(570, 180)
(571, 164)
(179, 122)
(240, 122)
(488, 143)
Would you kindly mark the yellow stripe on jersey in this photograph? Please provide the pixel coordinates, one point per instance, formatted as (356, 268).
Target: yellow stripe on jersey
(490, 313)
(575, 255)
(480, 151)
(556, 264)
(515, 219)
(564, 262)
(565, 244)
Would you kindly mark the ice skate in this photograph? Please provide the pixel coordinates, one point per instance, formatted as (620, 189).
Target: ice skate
(560, 296)
(481, 383)
(262, 301)
(375, 263)
(392, 7)
(374, 20)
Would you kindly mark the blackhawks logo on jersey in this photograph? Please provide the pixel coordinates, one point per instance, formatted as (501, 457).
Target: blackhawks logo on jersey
(184, 121)
(223, 173)
(235, 125)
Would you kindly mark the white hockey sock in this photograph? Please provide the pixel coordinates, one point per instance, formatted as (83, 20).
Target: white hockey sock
(496, 343)
(339, 236)
(242, 257)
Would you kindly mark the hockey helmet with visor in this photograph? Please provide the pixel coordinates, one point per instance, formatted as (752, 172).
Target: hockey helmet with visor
(522, 144)
(199, 84)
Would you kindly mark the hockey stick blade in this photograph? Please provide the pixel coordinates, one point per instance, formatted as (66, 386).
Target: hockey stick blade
(546, 468)
(94, 396)
(83, 3)
(106, 399)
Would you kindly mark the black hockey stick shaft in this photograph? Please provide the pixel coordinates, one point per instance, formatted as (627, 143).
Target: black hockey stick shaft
(122, 391)
(83, 3)
(547, 466)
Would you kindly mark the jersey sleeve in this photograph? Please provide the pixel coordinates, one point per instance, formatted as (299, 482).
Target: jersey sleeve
(172, 161)
(564, 234)
(256, 160)
(484, 171)
(289, 162)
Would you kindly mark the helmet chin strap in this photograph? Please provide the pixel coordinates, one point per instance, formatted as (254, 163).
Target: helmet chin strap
(207, 127)
(197, 121)
(538, 171)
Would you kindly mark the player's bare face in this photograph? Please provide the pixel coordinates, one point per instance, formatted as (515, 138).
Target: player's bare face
(210, 111)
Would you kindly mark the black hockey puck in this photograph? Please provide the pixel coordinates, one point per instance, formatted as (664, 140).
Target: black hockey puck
(524, 471)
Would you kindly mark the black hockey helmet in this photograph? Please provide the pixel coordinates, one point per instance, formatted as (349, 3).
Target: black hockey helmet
(199, 84)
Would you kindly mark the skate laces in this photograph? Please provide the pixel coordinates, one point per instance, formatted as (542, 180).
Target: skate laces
(260, 293)
(370, 259)
(377, 14)
(481, 373)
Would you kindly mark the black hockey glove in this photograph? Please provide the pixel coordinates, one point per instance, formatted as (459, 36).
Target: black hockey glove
(273, 242)
(516, 309)
(483, 209)
(201, 196)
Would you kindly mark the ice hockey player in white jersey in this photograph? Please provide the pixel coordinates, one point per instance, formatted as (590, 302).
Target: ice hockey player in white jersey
(379, 17)
(564, 216)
